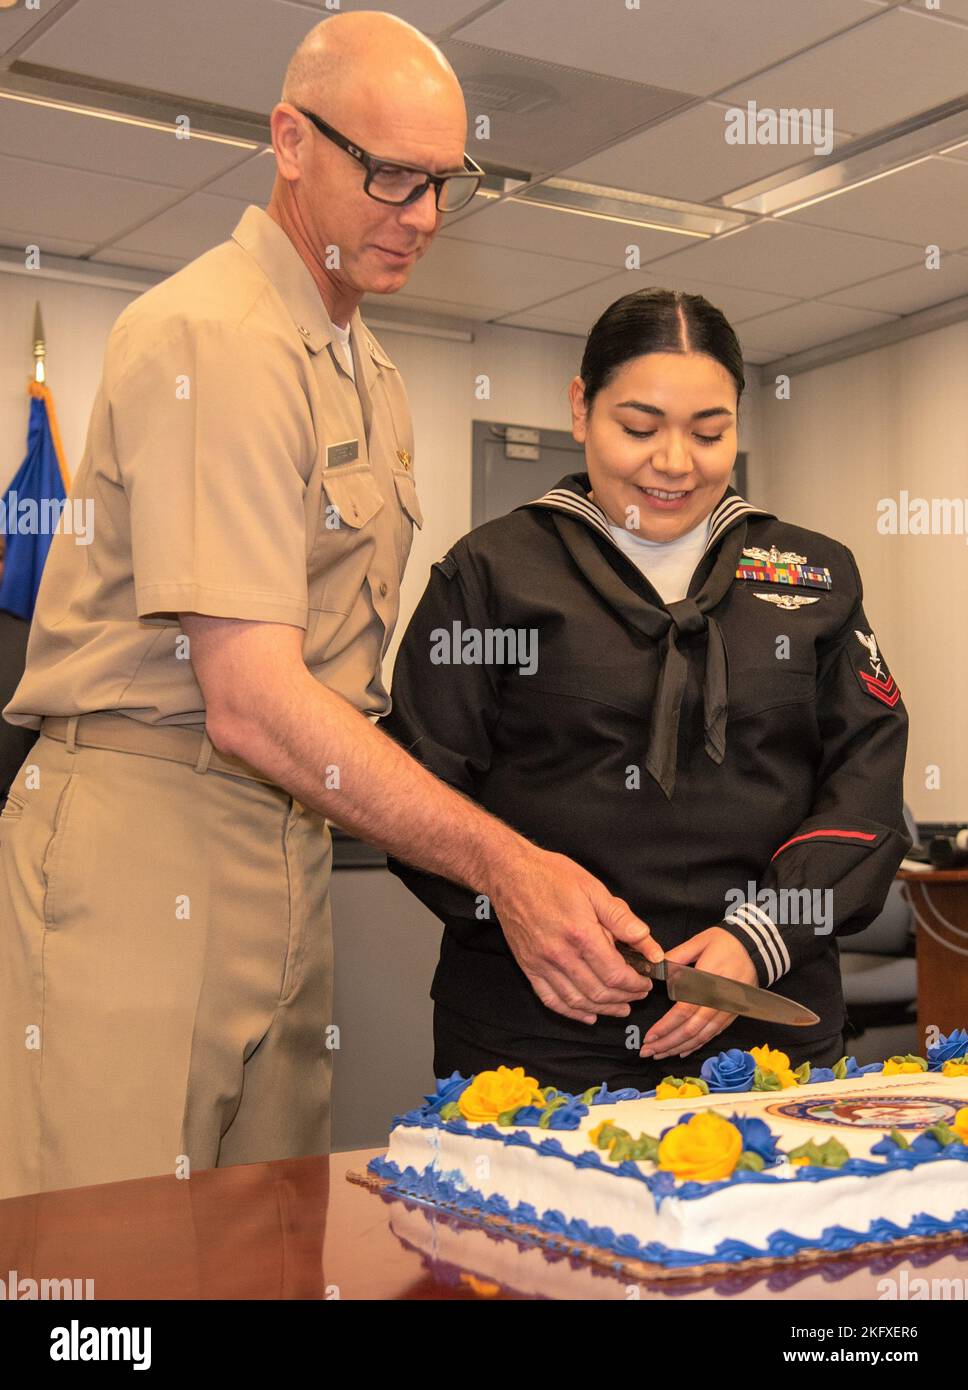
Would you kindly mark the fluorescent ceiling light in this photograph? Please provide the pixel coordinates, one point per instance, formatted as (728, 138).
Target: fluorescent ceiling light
(814, 180)
(633, 209)
(168, 127)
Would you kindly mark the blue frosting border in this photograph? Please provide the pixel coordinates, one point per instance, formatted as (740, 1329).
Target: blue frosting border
(442, 1188)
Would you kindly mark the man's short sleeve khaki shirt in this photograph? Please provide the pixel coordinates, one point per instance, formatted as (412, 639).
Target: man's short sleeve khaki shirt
(235, 469)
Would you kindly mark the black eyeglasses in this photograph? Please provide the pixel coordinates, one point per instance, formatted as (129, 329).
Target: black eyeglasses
(392, 182)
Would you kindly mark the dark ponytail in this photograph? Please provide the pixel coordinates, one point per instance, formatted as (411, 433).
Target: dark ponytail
(657, 320)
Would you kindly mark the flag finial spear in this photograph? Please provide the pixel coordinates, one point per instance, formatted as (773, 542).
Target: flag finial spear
(40, 346)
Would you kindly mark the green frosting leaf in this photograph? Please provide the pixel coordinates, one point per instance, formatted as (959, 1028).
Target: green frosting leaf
(698, 1081)
(507, 1116)
(830, 1154)
(609, 1132)
(545, 1121)
(450, 1111)
(943, 1133)
(840, 1069)
(766, 1081)
(749, 1162)
(645, 1147)
(671, 1081)
(802, 1073)
(588, 1096)
(899, 1139)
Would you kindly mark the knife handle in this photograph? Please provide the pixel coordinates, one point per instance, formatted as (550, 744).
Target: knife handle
(652, 970)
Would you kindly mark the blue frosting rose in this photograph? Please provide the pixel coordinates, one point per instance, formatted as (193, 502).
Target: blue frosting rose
(947, 1048)
(730, 1071)
(448, 1088)
(758, 1138)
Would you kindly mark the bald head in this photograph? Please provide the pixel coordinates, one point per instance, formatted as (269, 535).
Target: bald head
(364, 47)
(379, 83)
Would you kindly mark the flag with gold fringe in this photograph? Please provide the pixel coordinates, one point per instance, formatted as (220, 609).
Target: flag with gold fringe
(33, 505)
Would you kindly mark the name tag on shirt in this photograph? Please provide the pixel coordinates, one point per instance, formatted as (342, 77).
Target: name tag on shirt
(346, 452)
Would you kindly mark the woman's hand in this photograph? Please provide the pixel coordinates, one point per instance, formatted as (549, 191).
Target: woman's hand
(688, 1027)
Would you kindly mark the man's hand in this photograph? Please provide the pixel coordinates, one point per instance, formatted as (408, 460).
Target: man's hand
(560, 922)
(688, 1027)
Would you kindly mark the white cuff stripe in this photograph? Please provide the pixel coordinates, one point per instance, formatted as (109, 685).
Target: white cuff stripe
(767, 961)
(760, 927)
(754, 915)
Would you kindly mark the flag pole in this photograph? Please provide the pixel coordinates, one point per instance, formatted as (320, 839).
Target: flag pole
(40, 346)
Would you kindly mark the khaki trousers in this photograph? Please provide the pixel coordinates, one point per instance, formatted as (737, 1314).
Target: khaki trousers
(165, 970)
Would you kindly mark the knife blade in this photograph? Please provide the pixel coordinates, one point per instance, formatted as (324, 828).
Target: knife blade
(686, 984)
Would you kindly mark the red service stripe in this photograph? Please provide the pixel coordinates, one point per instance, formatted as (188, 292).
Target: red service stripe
(879, 683)
(889, 700)
(815, 834)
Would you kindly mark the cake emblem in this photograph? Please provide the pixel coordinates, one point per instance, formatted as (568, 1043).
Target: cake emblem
(871, 1111)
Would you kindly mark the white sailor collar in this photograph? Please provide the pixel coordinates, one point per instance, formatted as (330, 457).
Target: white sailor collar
(570, 495)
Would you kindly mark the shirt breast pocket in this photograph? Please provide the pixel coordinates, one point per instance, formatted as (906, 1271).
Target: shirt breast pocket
(351, 498)
(754, 691)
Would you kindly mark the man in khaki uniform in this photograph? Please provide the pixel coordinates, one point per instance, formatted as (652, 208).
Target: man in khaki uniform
(203, 672)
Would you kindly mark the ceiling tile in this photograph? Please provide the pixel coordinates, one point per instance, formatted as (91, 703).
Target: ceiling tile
(431, 16)
(44, 199)
(14, 24)
(544, 116)
(805, 261)
(569, 327)
(143, 260)
(907, 291)
(77, 141)
(231, 56)
(194, 225)
(252, 180)
(696, 46)
(53, 246)
(494, 276)
(426, 304)
(897, 64)
(583, 306)
(686, 156)
(525, 227)
(952, 9)
(923, 205)
(804, 326)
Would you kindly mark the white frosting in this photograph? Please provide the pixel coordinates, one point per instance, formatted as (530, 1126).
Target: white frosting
(750, 1212)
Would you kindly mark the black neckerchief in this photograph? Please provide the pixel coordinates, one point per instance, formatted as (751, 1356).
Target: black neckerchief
(581, 527)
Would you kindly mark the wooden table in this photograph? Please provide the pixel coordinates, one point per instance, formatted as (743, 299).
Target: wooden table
(939, 900)
(298, 1229)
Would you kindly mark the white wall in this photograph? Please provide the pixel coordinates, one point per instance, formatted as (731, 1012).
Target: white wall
(858, 431)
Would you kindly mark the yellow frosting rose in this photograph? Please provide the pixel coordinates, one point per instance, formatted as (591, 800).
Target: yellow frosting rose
(897, 1066)
(705, 1149)
(957, 1067)
(960, 1125)
(686, 1090)
(493, 1092)
(768, 1059)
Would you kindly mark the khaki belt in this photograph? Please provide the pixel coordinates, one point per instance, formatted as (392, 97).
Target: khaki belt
(119, 734)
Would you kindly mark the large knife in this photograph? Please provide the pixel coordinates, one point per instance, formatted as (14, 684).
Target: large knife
(687, 985)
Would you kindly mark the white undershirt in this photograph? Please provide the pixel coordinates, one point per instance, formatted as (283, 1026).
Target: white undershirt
(667, 565)
(343, 338)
